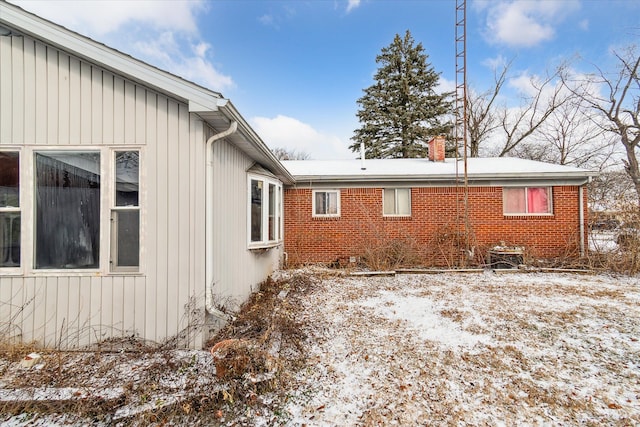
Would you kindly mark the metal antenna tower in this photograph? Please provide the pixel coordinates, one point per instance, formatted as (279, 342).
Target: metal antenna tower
(460, 128)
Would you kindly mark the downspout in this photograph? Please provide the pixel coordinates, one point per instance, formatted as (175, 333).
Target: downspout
(581, 213)
(209, 301)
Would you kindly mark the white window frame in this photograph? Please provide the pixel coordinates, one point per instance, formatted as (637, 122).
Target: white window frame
(395, 195)
(12, 270)
(526, 201)
(113, 214)
(103, 215)
(265, 241)
(28, 210)
(328, 215)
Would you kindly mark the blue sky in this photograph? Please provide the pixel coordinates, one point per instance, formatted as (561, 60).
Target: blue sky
(295, 68)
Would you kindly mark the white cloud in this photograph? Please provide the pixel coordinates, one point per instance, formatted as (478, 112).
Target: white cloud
(445, 85)
(268, 20)
(524, 84)
(292, 134)
(352, 4)
(497, 63)
(169, 54)
(584, 24)
(523, 23)
(162, 33)
(102, 17)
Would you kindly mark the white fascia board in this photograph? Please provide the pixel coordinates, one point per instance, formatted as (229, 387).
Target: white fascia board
(25, 22)
(195, 107)
(503, 180)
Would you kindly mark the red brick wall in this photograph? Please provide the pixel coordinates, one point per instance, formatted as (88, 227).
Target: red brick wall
(433, 230)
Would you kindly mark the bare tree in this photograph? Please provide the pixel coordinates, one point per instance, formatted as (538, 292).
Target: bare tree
(482, 118)
(611, 191)
(513, 125)
(282, 153)
(519, 124)
(616, 97)
(570, 136)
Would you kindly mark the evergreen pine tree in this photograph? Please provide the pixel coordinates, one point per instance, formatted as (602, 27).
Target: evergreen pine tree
(401, 111)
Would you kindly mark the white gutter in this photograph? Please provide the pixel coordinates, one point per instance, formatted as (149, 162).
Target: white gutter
(209, 300)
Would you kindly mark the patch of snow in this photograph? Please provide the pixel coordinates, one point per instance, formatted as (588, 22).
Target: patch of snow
(423, 316)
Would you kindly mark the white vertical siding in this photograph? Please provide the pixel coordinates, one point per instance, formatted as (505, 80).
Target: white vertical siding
(6, 104)
(75, 104)
(237, 271)
(196, 230)
(51, 99)
(17, 99)
(64, 102)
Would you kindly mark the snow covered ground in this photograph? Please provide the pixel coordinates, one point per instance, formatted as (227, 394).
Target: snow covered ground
(471, 349)
(415, 349)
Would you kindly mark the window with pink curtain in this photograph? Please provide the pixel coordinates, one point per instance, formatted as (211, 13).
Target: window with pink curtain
(527, 200)
(538, 200)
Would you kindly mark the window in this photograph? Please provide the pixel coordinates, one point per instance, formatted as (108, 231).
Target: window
(67, 209)
(9, 209)
(397, 202)
(326, 203)
(272, 212)
(527, 201)
(265, 212)
(125, 213)
(256, 210)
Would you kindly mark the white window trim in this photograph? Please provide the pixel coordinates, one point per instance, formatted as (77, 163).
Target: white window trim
(104, 213)
(313, 204)
(107, 188)
(395, 190)
(112, 247)
(265, 243)
(13, 271)
(526, 188)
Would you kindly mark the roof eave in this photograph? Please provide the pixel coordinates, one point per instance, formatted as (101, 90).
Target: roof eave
(106, 57)
(579, 177)
(256, 148)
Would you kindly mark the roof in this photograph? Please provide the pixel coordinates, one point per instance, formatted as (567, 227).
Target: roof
(479, 171)
(217, 111)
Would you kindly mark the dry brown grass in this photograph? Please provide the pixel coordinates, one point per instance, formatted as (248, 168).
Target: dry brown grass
(328, 349)
(161, 385)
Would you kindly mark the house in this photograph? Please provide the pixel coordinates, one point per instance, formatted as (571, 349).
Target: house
(420, 210)
(136, 204)
(133, 203)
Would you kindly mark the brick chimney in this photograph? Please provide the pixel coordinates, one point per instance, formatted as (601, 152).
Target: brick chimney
(436, 149)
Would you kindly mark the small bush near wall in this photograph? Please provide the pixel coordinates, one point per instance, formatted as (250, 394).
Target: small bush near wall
(388, 254)
(616, 238)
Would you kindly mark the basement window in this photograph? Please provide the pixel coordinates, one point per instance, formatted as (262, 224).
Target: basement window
(527, 201)
(326, 203)
(397, 202)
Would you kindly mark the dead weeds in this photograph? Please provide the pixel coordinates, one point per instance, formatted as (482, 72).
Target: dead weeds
(324, 349)
(158, 384)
